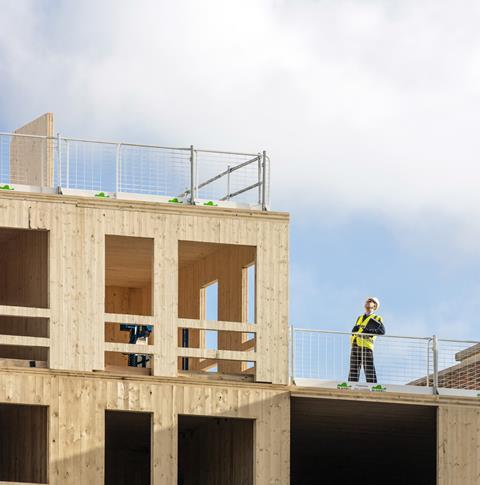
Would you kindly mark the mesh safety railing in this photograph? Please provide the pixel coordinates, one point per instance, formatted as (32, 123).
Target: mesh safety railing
(327, 355)
(125, 170)
(444, 366)
(458, 365)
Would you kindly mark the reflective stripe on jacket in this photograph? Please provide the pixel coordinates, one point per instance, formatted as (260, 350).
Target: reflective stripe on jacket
(368, 340)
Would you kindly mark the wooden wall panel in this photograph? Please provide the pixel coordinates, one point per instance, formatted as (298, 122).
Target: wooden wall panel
(77, 405)
(272, 302)
(131, 301)
(31, 159)
(458, 445)
(77, 229)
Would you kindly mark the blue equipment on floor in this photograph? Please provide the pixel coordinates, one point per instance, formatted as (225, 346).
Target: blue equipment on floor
(137, 332)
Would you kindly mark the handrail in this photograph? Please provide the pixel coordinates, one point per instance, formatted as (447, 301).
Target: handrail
(316, 330)
(5, 133)
(113, 142)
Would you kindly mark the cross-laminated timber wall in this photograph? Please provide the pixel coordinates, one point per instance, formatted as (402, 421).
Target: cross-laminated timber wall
(77, 228)
(458, 444)
(76, 419)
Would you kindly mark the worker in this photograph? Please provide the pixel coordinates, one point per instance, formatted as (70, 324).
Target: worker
(361, 353)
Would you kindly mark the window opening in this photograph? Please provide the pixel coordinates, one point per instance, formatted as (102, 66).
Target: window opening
(23, 443)
(128, 275)
(228, 457)
(24, 262)
(127, 447)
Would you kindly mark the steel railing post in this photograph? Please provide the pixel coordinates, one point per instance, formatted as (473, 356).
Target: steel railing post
(427, 380)
(67, 163)
(292, 355)
(259, 179)
(43, 157)
(193, 175)
(435, 364)
(117, 170)
(59, 159)
(228, 182)
(1, 159)
(264, 180)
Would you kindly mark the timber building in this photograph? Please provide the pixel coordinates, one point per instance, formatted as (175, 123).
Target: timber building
(144, 340)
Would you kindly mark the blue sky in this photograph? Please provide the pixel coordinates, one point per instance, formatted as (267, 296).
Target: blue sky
(369, 111)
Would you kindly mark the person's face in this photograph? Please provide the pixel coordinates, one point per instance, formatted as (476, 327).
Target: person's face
(370, 306)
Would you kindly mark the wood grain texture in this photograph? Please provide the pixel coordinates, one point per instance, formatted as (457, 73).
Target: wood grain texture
(77, 290)
(32, 159)
(76, 417)
(218, 354)
(458, 445)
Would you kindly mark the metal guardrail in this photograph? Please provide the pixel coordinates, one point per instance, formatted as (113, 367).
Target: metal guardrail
(125, 170)
(438, 365)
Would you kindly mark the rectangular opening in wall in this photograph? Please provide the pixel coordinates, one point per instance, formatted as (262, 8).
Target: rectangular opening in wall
(23, 356)
(211, 339)
(128, 275)
(329, 435)
(128, 437)
(210, 301)
(24, 267)
(215, 450)
(218, 269)
(212, 286)
(23, 443)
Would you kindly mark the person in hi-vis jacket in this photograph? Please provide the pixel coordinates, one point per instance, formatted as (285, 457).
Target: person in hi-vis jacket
(361, 353)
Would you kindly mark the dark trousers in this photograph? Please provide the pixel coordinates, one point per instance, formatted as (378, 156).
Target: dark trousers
(362, 356)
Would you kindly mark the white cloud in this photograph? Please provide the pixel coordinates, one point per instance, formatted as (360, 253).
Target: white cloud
(363, 106)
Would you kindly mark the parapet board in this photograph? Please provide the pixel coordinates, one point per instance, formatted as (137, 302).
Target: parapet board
(32, 159)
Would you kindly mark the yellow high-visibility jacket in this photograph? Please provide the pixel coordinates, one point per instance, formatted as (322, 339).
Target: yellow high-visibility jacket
(366, 341)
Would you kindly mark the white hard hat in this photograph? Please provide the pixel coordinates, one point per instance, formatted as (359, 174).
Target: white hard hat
(375, 300)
